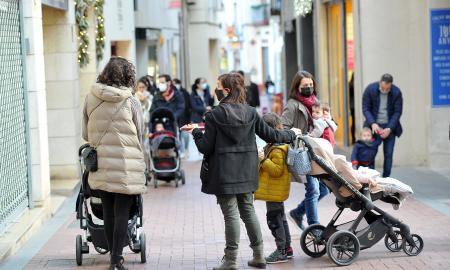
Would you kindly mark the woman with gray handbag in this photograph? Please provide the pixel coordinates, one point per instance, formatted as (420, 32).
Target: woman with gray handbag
(113, 126)
(297, 114)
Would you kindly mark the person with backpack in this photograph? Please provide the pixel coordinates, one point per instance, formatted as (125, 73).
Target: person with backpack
(274, 187)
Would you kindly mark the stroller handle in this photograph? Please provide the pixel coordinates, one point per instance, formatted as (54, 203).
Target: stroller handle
(367, 202)
(84, 146)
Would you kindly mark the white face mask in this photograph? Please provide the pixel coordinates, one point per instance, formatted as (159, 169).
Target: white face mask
(162, 87)
(178, 86)
(204, 86)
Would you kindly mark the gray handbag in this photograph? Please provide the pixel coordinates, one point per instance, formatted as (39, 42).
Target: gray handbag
(298, 160)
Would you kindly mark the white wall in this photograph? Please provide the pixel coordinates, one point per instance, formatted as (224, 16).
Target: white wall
(156, 14)
(399, 44)
(203, 27)
(119, 26)
(37, 107)
(62, 88)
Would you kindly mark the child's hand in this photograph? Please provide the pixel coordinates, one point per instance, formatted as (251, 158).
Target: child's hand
(149, 135)
(260, 155)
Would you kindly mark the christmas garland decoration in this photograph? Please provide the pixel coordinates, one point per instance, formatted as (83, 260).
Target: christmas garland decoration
(81, 9)
(100, 29)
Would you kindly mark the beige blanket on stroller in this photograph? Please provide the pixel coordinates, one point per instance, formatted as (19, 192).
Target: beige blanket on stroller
(340, 165)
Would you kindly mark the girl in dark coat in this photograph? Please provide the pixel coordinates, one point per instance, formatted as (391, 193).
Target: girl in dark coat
(229, 146)
(201, 100)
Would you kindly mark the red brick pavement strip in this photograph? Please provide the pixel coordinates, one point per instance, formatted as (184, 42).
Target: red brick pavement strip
(185, 230)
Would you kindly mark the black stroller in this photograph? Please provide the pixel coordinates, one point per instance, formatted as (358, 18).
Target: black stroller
(343, 242)
(89, 207)
(165, 161)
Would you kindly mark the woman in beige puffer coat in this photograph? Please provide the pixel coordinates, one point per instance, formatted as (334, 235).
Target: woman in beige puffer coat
(112, 122)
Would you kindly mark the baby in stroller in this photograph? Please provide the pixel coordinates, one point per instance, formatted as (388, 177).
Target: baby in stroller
(354, 190)
(165, 163)
(158, 136)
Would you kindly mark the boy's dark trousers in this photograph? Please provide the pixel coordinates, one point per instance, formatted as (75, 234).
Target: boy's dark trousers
(276, 220)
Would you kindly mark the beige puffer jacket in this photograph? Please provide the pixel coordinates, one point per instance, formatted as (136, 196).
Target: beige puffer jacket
(120, 155)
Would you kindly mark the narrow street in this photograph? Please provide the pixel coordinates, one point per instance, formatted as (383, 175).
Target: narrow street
(184, 230)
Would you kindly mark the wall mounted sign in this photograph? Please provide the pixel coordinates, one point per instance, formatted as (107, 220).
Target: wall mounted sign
(440, 57)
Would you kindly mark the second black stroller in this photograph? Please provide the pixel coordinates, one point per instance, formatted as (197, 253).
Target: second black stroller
(90, 214)
(165, 161)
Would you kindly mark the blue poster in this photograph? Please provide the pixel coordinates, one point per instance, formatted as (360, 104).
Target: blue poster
(440, 56)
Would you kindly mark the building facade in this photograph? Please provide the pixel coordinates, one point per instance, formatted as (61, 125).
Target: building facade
(157, 37)
(350, 40)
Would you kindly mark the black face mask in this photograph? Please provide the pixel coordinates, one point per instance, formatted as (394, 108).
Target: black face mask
(306, 91)
(219, 94)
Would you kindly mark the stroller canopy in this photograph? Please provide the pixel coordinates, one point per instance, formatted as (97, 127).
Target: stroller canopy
(164, 116)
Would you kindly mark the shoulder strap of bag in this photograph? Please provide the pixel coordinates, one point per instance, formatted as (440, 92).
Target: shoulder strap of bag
(110, 122)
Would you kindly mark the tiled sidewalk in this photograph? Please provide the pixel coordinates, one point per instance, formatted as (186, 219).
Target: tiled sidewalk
(185, 230)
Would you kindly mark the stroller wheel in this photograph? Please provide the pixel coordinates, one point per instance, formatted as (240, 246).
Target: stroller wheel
(343, 248)
(155, 182)
(101, 250)
(78, 251)
(311, 241)
(183, 177)
(414, 246)
(143, 245)
(394, 242)
(176, 181)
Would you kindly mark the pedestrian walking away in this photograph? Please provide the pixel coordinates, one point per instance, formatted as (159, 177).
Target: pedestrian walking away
(120, 174)
(382, 106)
(297, 113)
(229, 143)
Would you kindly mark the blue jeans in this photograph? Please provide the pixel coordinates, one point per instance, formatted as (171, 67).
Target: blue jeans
(388, 151)
(315, 191)
(184, 141)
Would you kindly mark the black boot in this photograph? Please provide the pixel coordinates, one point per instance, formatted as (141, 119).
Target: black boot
(117, 263)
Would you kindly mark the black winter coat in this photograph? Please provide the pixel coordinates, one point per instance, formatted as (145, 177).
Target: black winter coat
(229, 143)
(175, 104)
(186, 118)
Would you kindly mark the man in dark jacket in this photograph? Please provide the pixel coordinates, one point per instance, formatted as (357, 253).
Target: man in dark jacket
(382, 108)
(168, 97)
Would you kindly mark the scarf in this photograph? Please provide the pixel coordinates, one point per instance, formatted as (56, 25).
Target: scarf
(170, 95)
(307, 101)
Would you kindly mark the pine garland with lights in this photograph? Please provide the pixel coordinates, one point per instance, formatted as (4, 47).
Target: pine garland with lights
(81, 8)
(100, 29)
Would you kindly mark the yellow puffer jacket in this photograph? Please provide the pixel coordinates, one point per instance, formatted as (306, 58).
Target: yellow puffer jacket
(274, 179)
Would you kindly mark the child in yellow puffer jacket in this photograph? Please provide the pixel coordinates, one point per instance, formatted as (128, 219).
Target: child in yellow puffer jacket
(274, 187)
